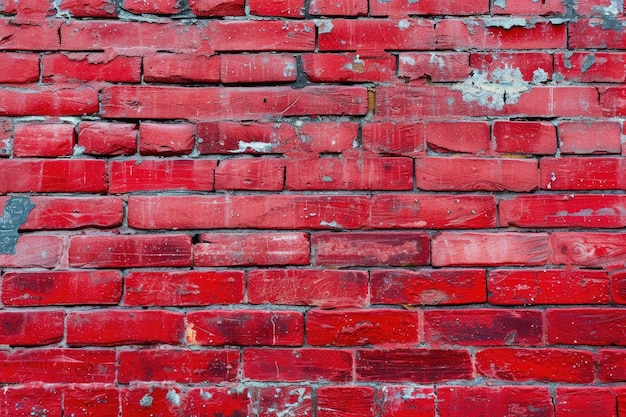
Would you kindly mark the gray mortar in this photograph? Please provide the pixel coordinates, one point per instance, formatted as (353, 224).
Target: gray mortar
(15, 214)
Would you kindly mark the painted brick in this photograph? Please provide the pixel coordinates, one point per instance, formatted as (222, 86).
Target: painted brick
(430, 211)
(183, 288)
(52, 101)
(339, 401)
(250, 174)
(331, 137)
(294, 399)
(475, 401)
(31, 328)
(166, 139)
(32, 251)
(463, 137)
(181, 68)
(323, 288)
(585, 326)
(394, 138)
(247, 138)
(184, 366)
(57, 365)
(233, 249)
(43, 140)
(428, 287)
(124, 327)
(361, 327)
(291, 365)
(611, 365)
(88, 8)
(537, 287)
(489, 249)
(538, 138)
(261, 35)
(544, 365)
(128, 251)
(19, 67)
(207, 8)
(618, 287)
(75, 67)
(6, 131)
(24, 37)
(245, 328)
(413, 365)
(338, 8)
(30, 400)
(428, 7)
(361, 67)
(277, 8)
(370, 249)
(258, 68)
(107, 139)
(597, 7)
(595, 250)
(577, 402)
(589, 137)
(407, 401)
(254, 212)
(586, 67)
(154, 7)
(382, 173)
(528, 7)
(596, 33)
(533, 66)
(162, 174)
(438, 67)
(61, 288)
(483, 327)
(471, 174)
(99, 400)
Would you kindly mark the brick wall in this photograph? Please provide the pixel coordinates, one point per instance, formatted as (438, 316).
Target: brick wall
(315, 208)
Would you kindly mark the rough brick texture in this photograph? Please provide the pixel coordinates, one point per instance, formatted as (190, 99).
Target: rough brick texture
(312, 208)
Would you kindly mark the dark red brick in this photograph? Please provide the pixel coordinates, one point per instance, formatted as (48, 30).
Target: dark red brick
(31, 328)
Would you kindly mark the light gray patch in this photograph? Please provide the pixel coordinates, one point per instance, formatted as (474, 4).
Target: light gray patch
(539, 76)
(566, 61)
(503, 86)
(500, 3)
(146, 401)
(505, 22)
(588, 62)
(15, 214)
(173, 397)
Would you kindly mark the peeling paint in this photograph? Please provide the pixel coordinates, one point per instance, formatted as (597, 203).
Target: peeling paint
(146, 401)
(500, 3)
(539, 76)
(324, 26)
(609, 15)
(15, 214)
(405, 59)
(173, 397)
(404, 24)
(254, 146)
(505, 22)
(588, 62)
(502, 86)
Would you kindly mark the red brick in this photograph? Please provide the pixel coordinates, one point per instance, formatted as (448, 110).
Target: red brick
(33, 251)
(464, 137)
(181, 68)
(154, 7)
(428, 287)
(394, 138)
(342, 401)
(166, 139)
(569, 173)
(413, 365)
(411, 211)
(332, 137)
(536, 287)
(183, 288)
(88, 8)
(39, 36)
(361, 327)
(338, 8)
(428, 7)
(162, 174)
(32, 400)
(382, 173)
(206, 8)
(434, 66)
(249, 212)
(267, 174)
(537, 138)
(220, 401)
(234, 249)
(543, 365)
(533, 66)
(124, 327)
(595, 250)
(97, 401)
(613, 100)
(61, 288)
(258, 68)
(182, 366)
(289, 365)
(53, 365)
(283, 400)
(611, 365)
(128, 251)
(355, 67)
(19, 68)
(248, 138)
(277, 8)
(6, 131)
(48, 101)
(472, 174)
(496, 401)
(107, 139)
(528, 7)
(370, 249)
(489, 249)
(53, 176)
(589, 67)
(590, 137)
(323, 288)
(618, 288)
(583, 402)
(596, 7)
(596, 33)
(90, 67)
(586, 326)
(261, 35)
(375, 34)
(245, 328)
(216, 103)
(43, 140)
(571, 210)
(31, 328)
(483, 327)
(33, 11)
(407, 401)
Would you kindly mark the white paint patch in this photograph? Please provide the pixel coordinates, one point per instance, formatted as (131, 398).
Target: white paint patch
(332, 224)
(436, 60)
(173, 397)
(254, 146)
(539, 76)
(289, 70)
(505, 22)
(503, 86)
(324, 26)
(404, 24)
(406, 59)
